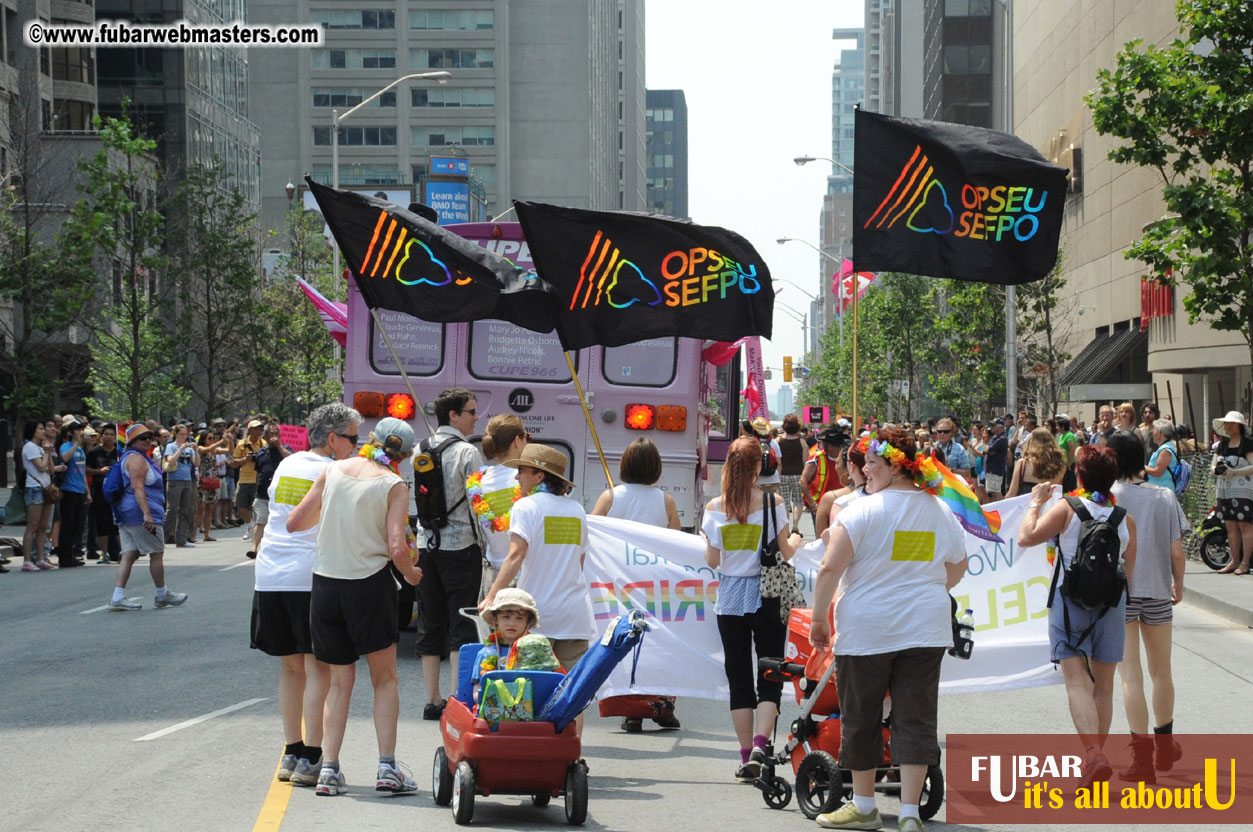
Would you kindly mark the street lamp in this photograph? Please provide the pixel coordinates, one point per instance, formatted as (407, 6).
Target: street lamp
(290, 189)
(801, 161)
(441, 76)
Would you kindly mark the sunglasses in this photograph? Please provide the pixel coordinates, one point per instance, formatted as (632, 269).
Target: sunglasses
(473, 411)
(942, 431)
(354, 438)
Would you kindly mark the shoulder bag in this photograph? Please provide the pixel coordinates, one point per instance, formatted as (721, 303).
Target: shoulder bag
(778, 577)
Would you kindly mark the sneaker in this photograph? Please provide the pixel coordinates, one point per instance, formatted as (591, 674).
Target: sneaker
(748, 772)
(125, 605)
(668, 721)
(331, 783)
(1095, 768)
(395, 779)
(757, 755)
(103, 560)
(910, 825)
(187, 545)
(28, 566)
(286, 766)
(434, 710)
(847, 817)
(632, 725)
(43, 564)
(306, 773)
(171, 599)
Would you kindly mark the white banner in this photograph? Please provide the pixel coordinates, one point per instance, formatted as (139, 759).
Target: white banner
(663, 573)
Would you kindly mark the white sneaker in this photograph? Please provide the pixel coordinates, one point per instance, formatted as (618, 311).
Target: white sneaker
(286, 766)
(171, 599)
(331, 783)
(125, 605)
(306, 773)
(394, 779)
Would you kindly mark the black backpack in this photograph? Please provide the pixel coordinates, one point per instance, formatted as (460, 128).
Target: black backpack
(769, 459)
(1095, 579)
(428, 486)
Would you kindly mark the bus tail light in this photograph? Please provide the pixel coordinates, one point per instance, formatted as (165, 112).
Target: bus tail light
(369, 405)
(400, 405)
(671, 417)
(640, 416)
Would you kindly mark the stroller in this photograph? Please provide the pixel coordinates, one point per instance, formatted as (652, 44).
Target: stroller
(814, 742)
(542, 758)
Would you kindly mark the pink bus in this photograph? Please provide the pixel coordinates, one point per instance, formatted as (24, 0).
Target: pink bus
(659, 388)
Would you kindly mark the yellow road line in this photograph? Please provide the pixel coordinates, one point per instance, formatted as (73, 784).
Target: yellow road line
(275, 805)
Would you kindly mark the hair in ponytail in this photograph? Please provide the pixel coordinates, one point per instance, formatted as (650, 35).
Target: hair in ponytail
(502, 430)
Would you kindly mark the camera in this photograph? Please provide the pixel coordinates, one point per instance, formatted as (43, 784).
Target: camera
(1221, 467)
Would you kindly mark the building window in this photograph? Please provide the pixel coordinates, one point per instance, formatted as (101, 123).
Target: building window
(452, 58)
(331, 97)
(453, 97)
(464, 136)
(73, 65)
(967, 8)
(461, 20)
(363, 19)
(359, 175)
(74, 115)
(354, 59)
(357, 136)
(975, 59)
(485, 174)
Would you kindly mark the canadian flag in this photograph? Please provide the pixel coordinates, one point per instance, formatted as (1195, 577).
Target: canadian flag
(860, 281)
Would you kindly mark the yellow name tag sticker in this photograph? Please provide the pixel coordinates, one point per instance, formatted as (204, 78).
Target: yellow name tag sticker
(561, 530)
(741, 536)
(915, 546)
(290, 490)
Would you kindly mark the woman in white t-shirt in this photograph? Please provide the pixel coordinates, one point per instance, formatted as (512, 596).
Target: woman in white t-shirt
(1087, 643)
(37, 462)
(894, 554)
(638, 498)
(493, 489)
(547, 548)
(734, 525)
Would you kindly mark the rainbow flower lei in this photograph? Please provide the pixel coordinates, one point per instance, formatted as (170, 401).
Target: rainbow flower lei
(491, 661)
(377, 454)
(479, 505)
(1093, 496)
(923, 468)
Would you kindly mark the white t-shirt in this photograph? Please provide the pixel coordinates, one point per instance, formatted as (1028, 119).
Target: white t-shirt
(30, 453)
(740, 542)
(285, 559)
(892, 595)
(641, 503)
(555, 531)
(499, 483)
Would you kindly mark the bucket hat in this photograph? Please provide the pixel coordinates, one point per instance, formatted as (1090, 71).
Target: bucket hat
(542, 458)
(511, 597)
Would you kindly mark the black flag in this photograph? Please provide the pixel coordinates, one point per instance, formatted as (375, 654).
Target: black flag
(404, 262)
(948, 200)
(623, 277)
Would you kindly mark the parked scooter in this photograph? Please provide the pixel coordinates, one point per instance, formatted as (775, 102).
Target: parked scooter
(1214, 549)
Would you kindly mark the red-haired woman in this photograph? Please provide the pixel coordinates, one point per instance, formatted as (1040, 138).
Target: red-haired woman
(894, 554)
(1087, 643)
(733, 525)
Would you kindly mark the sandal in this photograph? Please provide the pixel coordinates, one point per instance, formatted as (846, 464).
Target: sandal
(207, 539)
(1243, 570)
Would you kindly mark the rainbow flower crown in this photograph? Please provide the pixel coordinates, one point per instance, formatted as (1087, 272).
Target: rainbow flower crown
(923, 468)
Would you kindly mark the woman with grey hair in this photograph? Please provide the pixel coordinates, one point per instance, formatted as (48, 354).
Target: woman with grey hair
(284, 584)
(1160, 470)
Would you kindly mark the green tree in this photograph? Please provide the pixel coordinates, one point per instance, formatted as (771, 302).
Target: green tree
(964, 364)
(213, 252)
(1043, 326)
(135, 357)
(1185, 110)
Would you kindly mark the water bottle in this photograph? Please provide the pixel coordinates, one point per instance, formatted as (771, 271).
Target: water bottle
(963, 643)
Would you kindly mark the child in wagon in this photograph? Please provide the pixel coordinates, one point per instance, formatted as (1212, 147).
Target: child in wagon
(511, 645)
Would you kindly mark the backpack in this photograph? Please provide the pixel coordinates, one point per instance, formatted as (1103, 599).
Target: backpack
(769, 459)
(114, 485)
(1095, 579)
(428, 486)
(1182, 475)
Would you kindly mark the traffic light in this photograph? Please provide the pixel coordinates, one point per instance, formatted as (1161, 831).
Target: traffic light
(787, 368)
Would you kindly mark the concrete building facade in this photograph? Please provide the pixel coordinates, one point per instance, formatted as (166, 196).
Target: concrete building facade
(666, 119)
(1193, 371)
(546, 99)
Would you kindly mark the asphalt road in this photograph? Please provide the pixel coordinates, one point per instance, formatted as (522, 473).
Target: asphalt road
(84, 690)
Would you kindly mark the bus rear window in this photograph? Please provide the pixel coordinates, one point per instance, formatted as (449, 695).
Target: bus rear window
(502, 351)
(648, 363)
(418, 343)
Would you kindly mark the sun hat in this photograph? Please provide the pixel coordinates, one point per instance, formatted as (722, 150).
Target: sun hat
(137, 430)
(391, 426)
(511, 597)
(70, 419)
(761, 426)
(256, 423)
(1232, 416)
(542, 458)
(90, 431)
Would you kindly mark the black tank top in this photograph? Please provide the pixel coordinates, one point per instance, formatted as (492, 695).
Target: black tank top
(793, 460)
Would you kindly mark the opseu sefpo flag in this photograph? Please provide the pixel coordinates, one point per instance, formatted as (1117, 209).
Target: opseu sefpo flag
(624, 277)
(948, 200)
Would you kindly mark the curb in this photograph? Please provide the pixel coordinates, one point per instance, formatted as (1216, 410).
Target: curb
(1234, 613)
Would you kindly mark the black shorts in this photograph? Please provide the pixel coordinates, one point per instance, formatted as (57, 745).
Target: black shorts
(352, 618)
(450, 581)
(280, 623)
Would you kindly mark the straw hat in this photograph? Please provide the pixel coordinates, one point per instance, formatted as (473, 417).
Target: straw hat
(542, 458)
(1232, 416)
(761, 426)
(514, 598)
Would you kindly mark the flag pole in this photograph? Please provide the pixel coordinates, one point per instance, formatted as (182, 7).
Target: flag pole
(856, 326)
(417, 402)
(587, 414)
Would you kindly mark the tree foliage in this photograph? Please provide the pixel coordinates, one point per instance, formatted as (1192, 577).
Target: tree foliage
(1044, 324)
(1185, 110)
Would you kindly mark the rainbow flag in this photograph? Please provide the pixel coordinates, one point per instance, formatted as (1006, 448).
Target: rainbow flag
(965, 505)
